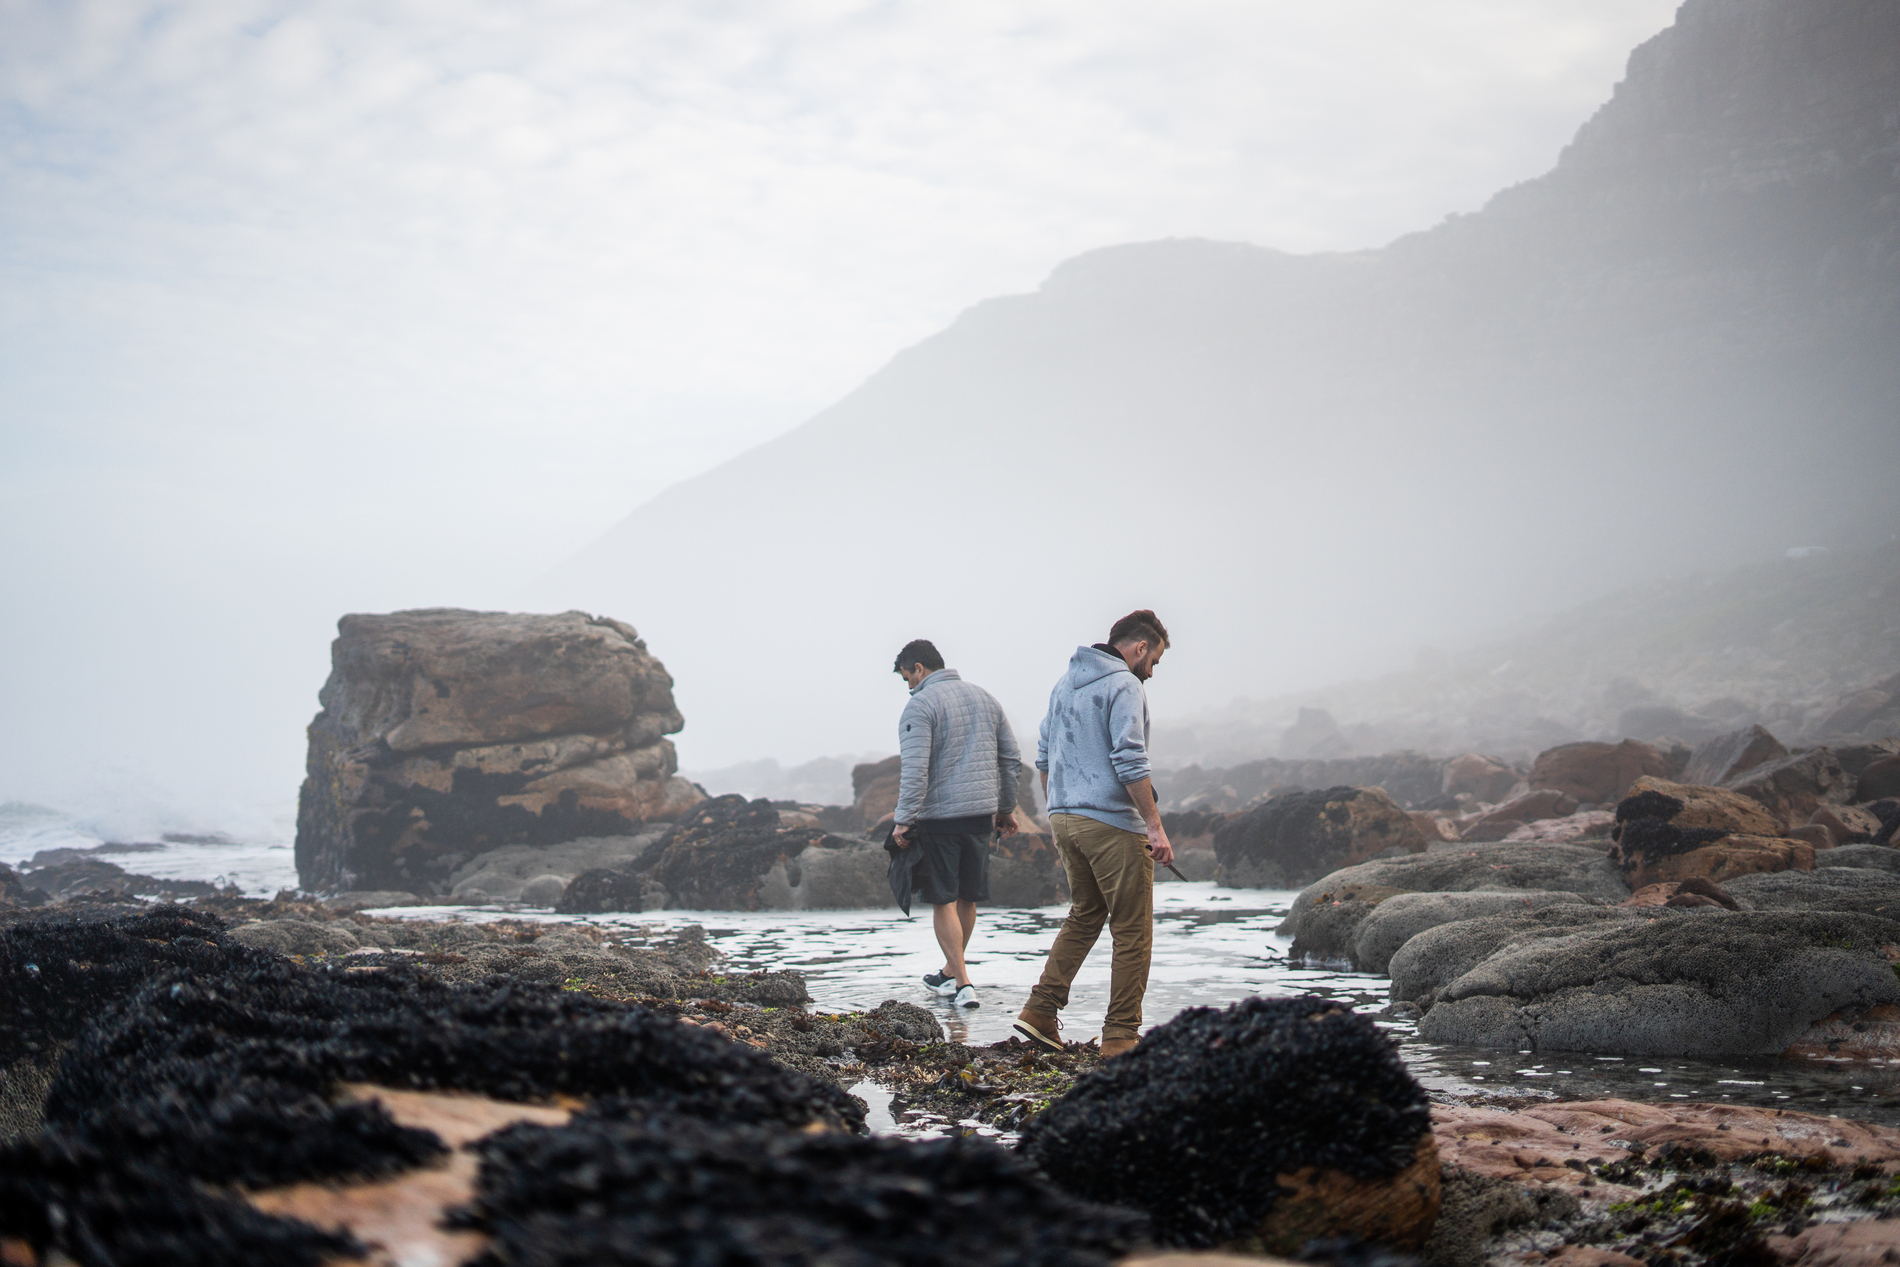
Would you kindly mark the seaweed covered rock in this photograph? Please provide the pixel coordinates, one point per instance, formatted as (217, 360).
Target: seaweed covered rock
(1872, 857)
(201, 1083)
(1512, 866)
(79, 876)
(1679, 983)
(1266, 1124)
(619, 1186)
(448, 733)
(1672, 831)
(1297, 837)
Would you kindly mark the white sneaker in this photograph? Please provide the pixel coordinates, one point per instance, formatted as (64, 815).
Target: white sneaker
(941, 983)
(966, 997)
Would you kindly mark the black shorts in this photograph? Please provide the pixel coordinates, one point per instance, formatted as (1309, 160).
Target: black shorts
(953, 866)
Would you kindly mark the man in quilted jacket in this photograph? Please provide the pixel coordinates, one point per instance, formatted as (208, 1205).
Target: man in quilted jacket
(958, 785)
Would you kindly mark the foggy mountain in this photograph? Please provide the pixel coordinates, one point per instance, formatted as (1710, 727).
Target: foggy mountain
(1674, 351)
(1798, 645)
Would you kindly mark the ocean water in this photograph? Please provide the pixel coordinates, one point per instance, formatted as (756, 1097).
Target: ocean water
(1213, 946)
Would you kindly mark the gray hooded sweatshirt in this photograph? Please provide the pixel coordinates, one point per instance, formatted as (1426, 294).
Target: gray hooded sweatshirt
(1095, 740)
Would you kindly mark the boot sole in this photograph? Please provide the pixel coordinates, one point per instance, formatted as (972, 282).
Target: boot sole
(1036, 1036)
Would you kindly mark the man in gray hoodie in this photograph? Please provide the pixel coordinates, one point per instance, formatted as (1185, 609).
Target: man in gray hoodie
(957, 784)
(1093, 755)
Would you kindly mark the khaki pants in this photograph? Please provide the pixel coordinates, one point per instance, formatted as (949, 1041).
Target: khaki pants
(1112, 881)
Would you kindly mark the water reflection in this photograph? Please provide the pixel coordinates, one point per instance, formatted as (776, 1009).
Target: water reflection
(1212, 947)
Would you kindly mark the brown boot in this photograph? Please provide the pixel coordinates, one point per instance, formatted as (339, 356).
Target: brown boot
(1116, 1046)
(1040, 1028)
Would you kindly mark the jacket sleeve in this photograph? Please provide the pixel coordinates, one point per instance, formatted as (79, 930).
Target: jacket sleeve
(1009, 762)
(913, 752)
(1128, 733)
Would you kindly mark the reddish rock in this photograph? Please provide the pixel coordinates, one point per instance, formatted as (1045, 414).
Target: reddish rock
(1725, 757)
(1490, 779)
(1694, 891)
(1724, 859)
(1846, 824)
(1432, 826)
(1582, 827)
(1699, 809)
(874, 784)
(1871, 1033)
(1322, 1205)
(1597, 773)
(1869, 1243)
(1879, 780)
(1532, 806)
(1817, 836)
(1294, 839)
(1794, 787)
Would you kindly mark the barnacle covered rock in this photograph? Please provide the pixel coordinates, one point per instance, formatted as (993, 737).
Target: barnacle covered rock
(1267, 1124)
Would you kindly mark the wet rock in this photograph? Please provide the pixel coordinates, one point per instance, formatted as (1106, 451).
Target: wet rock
(1435, 958)
(1025, 870)
(1597, 773)
(618, 1186)
(371, 899)
(499, 874)
(1233, 1126)
(1701, 984)
(1549, 868)
(729, 854)
(1794, 787)
(449, 733)
(1862, 890)
(1434, 825)
(1716, 761)
(1489, 779)
(601, 890)
(77, 877)
(1871, 1243)
(15, 891)
(1403, 916)
(1479, 1208)
(1871, 1033)
(1527, 807)
(1296, 838)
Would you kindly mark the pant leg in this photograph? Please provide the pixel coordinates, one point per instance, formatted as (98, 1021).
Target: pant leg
(1125, 875)
(1088, 910)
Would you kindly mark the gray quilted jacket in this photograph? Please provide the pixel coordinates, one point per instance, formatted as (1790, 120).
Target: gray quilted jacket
(959, 757)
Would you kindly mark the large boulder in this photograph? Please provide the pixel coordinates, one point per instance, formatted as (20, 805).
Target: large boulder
(1597, 773)
(1025, 870)
(1488, 779)
(1392, 923)
(1725, 757)
(1435, 958)
(1688, 983)
(1794, 787)
(448, 733)
(1878, 780)
(1297, 838)
(1863, 890)
(1262, 1126)
(1872, 857)
(1575, 869)
(1661, 820)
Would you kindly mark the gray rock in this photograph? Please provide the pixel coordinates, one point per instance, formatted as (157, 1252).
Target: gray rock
(1404, 916)
(296, 937)
(1871, 857)
(371, 899)
(500, 874)
(1862, 889)
(1575, 869)
(543, 890)
(1705, 983)
(1438, 956)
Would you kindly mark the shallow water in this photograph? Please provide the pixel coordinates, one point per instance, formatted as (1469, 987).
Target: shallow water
(1212, 947)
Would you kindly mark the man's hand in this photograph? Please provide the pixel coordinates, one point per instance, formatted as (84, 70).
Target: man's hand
(1158, 847)
(901, 834)
(1006, 824)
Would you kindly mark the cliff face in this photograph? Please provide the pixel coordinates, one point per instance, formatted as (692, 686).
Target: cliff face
(1676, 350)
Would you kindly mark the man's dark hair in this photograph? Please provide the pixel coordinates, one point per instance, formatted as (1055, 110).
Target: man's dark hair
(919, 651)
(1136, 626)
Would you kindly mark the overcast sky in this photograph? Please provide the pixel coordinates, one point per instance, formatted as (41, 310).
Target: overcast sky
(312, 308)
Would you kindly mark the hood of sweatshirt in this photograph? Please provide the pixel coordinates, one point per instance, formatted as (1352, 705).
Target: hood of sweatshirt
(1089, 665)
